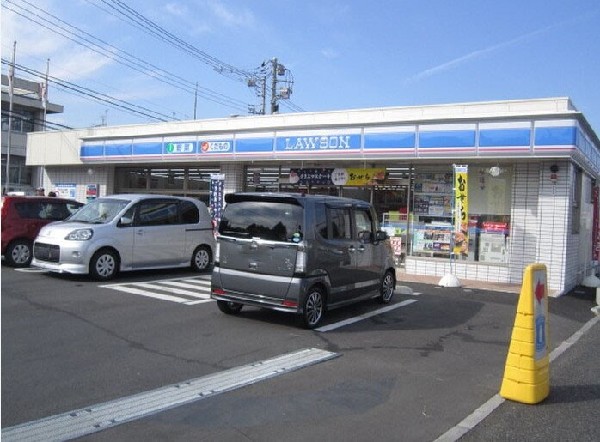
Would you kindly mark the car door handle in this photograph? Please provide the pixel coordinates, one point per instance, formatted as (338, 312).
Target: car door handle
(352, 249)
(140, 232)
(361, 249)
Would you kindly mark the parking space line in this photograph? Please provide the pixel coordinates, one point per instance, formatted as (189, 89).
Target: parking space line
(88, 420)
(349, 321)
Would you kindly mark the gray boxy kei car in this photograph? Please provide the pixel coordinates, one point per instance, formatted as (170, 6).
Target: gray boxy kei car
(302, 254)
(128, 232)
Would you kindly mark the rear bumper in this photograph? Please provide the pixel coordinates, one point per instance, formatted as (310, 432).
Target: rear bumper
(256, 301)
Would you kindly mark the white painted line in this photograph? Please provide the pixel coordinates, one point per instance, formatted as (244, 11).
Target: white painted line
(467, 424)
(88, 420)
(349, 321)
(172, 290)
(194, 285)
(148, 294)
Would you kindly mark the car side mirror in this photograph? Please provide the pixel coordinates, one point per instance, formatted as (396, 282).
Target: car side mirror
(365, 236)
(125, 221)
(381, 235)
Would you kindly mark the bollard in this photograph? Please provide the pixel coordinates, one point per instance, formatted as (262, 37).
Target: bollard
(526, 373)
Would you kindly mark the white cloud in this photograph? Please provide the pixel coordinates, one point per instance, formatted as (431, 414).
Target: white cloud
(329, 53)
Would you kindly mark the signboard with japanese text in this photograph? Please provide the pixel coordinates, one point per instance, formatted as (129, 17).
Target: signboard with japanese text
(461, 211)
(337, 176)
(217, 184)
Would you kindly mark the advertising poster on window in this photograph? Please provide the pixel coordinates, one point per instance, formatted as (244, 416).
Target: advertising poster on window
(91, 192)
(338, 176)
(217, 184)
(66, 190)
(461, 211)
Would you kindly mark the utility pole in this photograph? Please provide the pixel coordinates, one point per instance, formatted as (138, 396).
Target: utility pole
(11, 91)
(44, 94)
(279, 75)
(274, 104)
(195, 99)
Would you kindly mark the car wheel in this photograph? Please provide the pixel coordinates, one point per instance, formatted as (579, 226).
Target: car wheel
(201, 259)
(314, 307)
(104, 265)
(386, 291)
(230, 308)
(18, 253)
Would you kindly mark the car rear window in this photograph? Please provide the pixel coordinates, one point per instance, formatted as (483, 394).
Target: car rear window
(274, 221)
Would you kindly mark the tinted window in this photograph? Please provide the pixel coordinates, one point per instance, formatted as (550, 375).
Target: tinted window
(28, 210)
(157, 213)
(364, 222)
(340, 226)
(273, 221)
(189, 213)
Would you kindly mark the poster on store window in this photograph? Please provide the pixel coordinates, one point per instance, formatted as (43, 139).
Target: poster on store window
(217, 185)
(461, 211)
(337, 177)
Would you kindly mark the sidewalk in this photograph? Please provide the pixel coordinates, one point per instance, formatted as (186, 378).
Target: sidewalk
(403, 277)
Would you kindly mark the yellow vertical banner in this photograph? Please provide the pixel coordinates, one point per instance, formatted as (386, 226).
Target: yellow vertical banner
(461, 210)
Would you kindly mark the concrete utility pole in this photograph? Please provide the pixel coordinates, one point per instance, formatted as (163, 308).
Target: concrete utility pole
(274, 104)
(11, 91)
(279, 75)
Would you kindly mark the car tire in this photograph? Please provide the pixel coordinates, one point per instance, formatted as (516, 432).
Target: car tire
(19, 253)
(201, 259)
(313, 308)
(229, 308)
(386, 290)
(104, 265)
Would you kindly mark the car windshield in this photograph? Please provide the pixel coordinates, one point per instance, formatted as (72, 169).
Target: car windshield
(99, 211)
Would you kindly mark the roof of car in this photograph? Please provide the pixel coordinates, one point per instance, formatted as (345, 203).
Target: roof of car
(38, 198)
(241, 196)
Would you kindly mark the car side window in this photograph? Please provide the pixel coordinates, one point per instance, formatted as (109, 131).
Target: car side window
(157, 213)
(364, 224)
(339, 223)
(28, 210)
(189, 213)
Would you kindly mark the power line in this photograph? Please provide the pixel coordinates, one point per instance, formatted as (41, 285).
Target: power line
(89, 41)
(96, 96)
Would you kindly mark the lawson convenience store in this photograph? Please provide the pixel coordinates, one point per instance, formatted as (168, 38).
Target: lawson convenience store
(493, 185)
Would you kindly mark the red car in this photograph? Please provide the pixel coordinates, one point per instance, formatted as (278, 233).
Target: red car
(22, 219)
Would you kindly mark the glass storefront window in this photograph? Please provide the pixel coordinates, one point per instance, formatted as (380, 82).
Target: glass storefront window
(431, 232)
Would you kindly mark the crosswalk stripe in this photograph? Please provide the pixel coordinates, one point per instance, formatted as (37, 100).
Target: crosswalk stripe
(204, 285)
(173, 290)
(148, 294)
(186, 291)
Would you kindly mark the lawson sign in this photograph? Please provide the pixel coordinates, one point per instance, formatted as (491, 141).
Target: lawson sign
(426, 140)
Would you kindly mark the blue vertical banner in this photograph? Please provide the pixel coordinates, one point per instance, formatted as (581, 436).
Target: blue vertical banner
(217, 184)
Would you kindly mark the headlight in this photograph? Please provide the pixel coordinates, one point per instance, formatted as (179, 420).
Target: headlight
(80, 235)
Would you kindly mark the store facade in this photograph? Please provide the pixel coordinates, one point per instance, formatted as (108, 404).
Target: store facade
(479, 190)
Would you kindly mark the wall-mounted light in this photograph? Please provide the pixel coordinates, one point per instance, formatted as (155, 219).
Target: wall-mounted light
(495, 171)
(553, 173)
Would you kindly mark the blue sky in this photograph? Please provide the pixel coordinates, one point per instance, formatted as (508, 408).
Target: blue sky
(342, 54)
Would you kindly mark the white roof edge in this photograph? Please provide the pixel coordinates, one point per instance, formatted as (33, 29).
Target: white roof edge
(523, 108)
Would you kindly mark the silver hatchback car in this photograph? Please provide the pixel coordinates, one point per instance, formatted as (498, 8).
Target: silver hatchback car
(303, 254)
(128, 232)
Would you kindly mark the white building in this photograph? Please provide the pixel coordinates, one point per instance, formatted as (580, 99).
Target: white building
(531, 175)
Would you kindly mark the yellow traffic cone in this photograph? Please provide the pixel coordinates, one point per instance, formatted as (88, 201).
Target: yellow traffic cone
(526, 373)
